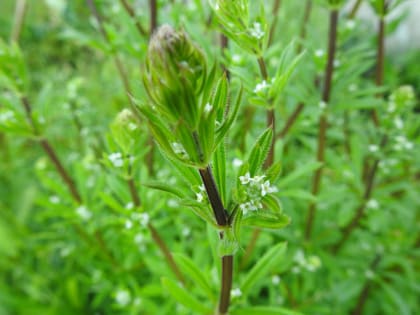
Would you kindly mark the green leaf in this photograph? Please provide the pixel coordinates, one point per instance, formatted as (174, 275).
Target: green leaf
(395, 297)
(190, 269)
(219, 167)
(236, 224)
(263, 310)
(263, 266)
(299, 172)
(260, 151)
(272, 203)
(166, 188)
(298, 194)
(266, 220)
(184, 297)
(224, 128)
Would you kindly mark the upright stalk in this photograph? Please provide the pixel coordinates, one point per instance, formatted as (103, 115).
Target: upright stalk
(154, 232)
(222, 220)
(153, 7)
(360, 212)
(380, 58)
(18, 20)
(323, 123)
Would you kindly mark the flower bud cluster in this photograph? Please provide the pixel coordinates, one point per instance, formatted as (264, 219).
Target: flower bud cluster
(255, 189)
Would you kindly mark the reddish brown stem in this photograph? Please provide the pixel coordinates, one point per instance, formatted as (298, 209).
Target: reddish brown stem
(323, 124)
(153, 15)
(275, 10)
(306, 16)
(355, 8)
(290, 121)
(227, 275)
(154, 233)
(347, 231)
(364, 294)
(132, 14)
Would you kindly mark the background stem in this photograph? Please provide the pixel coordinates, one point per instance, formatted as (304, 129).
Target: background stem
(323, 124)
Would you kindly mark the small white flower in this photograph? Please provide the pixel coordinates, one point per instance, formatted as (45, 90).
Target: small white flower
(266, 188)
(373, 148)
(300, 257)
(236, 58)
(245, 179)
(237, 162)
(202, 188)
(144, 219)
(398, 123)
(408, 145)
(350, 24)
(336, 63)
(372, 204)
(83, 212)
(129, 206)
(391, 107)
(236, 292)
(199, 197)
(139, 239)
(122, 297)
(261, 86)
(369, 274)
(54, 199)
(128, 224)
(313, 263)
(132, 126)
(186, 231)
(208, 108)
(179, 149)
(322, 105)
(319, 53)
(275, 279)
(116, 159)
(256, 31)
(7, 116)
(352, 87)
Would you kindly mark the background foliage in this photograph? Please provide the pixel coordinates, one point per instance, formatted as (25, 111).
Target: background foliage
(99, 257)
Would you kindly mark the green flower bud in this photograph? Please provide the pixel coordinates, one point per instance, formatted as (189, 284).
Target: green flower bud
(175, 75)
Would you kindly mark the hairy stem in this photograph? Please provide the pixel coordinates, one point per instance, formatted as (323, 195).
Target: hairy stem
(323, 124)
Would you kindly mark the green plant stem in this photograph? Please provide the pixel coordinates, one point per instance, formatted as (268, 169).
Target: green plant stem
(132, 14)
(274, 11)
(224, 44)
(290, 121)
(364, 294)
(154, 232)
(222, 220)
(360, 212)
(355, 9)
(18, 20)
(380, 58)
(306, 17)
(323, 123)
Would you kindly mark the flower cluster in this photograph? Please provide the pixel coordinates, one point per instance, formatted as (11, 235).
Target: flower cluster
(311, 263)
(256, 189)
(116, 159)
